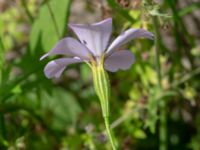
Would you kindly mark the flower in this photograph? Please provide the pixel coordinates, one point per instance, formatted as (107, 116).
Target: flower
(92, 47)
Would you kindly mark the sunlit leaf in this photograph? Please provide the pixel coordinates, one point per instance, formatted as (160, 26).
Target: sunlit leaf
(45, 29)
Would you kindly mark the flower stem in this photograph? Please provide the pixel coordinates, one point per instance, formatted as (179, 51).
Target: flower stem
(109, 132)
(102, 88)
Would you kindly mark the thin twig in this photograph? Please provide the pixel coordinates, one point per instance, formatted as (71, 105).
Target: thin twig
(187, 77)
(24, 4)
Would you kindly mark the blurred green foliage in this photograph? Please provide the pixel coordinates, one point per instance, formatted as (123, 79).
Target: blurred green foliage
(37, 113)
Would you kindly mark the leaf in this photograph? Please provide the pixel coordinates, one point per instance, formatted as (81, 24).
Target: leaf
(2, 49)
(120, 10)
(42, 36)
(189, 9)
(140, 134)
(152, 109)
(44, 27)
(62, 106)
(155, 12)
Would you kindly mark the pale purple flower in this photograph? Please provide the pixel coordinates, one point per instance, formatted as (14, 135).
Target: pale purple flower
(92, 46)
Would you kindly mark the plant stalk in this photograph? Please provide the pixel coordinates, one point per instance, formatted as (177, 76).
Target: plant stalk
(161, 103)
(102, 88)
(3, 135)
(109, 132)
(27, 11)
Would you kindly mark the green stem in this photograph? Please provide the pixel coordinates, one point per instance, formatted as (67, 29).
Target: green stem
(162, 103)
(163, 126)
(2, 119)
(102, 88)
(3, 127)
(183, 42)
(109, 132)
(24, 4)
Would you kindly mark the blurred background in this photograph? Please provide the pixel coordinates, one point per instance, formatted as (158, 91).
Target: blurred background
(160, 91)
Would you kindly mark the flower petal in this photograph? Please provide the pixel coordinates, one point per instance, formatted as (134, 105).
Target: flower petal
(127, 36)
(122, 59)
(55, 67)
(70, 47)
(95, 36)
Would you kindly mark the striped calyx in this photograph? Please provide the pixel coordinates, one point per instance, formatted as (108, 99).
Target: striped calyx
(101, 86)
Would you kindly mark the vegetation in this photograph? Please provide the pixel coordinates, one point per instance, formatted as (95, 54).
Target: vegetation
(153, 105)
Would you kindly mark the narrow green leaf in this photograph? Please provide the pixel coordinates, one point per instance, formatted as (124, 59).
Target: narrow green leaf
(188, 9)
(43, 37)
(44, 28)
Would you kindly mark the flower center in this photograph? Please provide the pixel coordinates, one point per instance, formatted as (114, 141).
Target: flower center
(97, 60)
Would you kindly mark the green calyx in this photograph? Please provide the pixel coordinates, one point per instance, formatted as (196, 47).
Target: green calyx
(101, 86)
